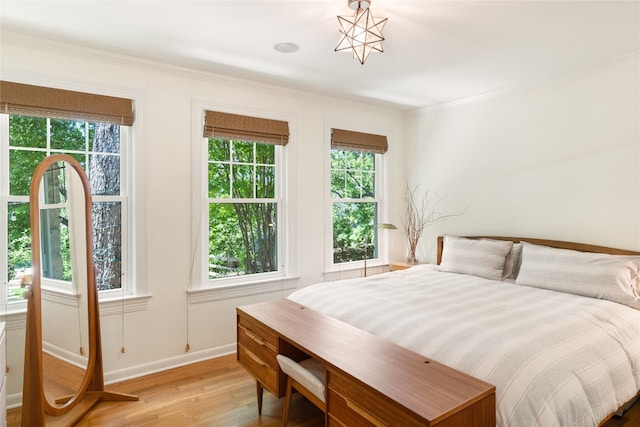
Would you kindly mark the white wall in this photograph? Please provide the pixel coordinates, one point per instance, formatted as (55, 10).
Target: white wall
(155, 338)
(557, 159)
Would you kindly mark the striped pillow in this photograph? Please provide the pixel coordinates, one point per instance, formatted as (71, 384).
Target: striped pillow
(611, 277)
(483, 258)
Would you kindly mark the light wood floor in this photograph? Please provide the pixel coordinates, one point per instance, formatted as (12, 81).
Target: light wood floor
(218, 392)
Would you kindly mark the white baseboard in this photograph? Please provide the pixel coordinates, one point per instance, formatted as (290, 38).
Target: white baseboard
(15, 400)
(165, 364)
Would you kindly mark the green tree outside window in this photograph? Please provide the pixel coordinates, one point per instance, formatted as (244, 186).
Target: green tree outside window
(97, 148)
(355, 207)
(243, 208)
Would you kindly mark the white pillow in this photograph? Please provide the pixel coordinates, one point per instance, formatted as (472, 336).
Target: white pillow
(611, 277)
(478, 257)
(512, 261)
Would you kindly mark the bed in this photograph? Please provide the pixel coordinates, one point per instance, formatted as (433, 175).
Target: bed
(555, 326)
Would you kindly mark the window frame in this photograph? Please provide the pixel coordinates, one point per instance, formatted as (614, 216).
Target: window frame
(131, 289)
(203, 289)
(373, 265)
(58, 284)
(277, 199)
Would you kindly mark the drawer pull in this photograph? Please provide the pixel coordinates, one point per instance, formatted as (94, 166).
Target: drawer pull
(365, 414)
(257, 338)
(256, 359)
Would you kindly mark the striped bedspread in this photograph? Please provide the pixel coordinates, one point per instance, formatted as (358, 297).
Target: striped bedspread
(556, 359)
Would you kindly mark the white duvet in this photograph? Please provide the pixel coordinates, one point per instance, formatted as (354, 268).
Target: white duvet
(556, 359)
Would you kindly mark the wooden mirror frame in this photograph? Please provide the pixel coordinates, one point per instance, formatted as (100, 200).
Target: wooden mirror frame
(91, 391)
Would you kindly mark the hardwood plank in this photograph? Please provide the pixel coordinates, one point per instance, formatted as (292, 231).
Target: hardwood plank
(217, 392)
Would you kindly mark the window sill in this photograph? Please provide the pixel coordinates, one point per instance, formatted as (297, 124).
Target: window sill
(108, 305)
(126, 304)
(15, 314)
(235, 290)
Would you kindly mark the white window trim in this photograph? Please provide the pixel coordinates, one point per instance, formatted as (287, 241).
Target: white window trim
(4, 220)
(353, 269)
(201, 288)
(136, 295)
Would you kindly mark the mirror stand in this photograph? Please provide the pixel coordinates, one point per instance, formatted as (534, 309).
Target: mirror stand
(66, 410)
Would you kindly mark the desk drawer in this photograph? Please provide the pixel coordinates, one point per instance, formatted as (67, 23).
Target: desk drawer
(259, 342)
(257, 332)
(265, 373)
(257, 350)
(353, 404)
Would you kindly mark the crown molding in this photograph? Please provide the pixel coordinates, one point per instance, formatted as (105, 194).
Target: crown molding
(518, 87)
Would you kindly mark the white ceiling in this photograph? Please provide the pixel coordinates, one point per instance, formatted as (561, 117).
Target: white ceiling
(436, 52)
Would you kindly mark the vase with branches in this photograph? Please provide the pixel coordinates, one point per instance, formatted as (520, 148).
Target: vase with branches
(419, 214)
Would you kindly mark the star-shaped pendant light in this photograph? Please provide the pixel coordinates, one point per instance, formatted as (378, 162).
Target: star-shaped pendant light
(362, 32)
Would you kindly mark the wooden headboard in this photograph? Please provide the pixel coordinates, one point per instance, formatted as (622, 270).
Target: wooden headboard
(582, 247)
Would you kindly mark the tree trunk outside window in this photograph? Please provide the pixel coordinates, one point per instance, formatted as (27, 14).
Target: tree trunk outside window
(104, 176)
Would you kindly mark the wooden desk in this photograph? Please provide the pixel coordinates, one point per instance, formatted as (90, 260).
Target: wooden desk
(370, 381)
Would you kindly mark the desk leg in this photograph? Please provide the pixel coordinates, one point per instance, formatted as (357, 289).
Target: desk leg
(259, 393)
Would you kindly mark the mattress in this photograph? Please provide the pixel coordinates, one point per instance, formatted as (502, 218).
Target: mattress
(556, 359)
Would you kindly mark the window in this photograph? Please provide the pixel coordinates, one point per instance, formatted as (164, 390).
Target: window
(34, 129)
(355, 194)
(244, 201)
(243, 208)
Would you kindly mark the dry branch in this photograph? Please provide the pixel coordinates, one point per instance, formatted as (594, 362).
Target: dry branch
(420, 215)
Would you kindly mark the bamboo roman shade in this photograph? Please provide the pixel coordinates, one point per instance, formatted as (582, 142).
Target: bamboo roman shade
(38, 101)
(236, 126)
(350, 140)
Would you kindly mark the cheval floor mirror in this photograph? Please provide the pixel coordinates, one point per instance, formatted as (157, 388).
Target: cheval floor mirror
(60, 199)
